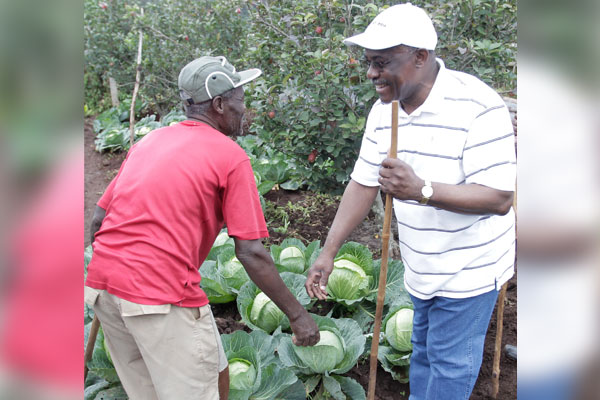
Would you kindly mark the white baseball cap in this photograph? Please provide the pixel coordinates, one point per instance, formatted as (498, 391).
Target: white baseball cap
(400, 24)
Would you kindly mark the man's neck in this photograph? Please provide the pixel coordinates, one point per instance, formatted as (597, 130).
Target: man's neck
(204, 119)
(422, 91)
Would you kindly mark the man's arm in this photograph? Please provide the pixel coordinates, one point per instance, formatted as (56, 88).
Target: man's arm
(99, 214)
(261, 269)
(354, 207)
(399, 179)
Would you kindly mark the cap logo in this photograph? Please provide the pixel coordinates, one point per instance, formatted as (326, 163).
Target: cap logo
(380, 24)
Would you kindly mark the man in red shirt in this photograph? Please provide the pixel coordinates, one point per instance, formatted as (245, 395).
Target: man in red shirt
(155, 225)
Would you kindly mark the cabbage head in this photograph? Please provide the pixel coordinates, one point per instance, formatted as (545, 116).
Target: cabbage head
(348, 280)
(214, 284)
(242, 374)
(339, 348)
(398, 329)
(325, 355)
(223, 242)
(290, 252)
(265, 314)
(221, 239)
(259, 312)
(232, 270)
(255, 372)
(223, 277)
(395, 352)
(293, 256)
(352, 275)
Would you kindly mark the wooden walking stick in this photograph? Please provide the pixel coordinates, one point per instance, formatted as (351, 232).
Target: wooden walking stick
(385, 236)
(89, 348)
(498, 345)
(499, 328)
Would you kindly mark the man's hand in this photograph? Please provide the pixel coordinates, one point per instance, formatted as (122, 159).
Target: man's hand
(399, 179)
(317, 277)
(306, 332)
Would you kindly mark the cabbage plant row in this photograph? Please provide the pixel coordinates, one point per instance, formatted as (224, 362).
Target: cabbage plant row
(345, 331)
(265, 364)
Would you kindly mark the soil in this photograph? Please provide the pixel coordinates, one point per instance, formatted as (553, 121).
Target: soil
(309, 216)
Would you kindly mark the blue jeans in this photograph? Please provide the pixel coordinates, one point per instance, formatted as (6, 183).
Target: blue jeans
(448, 336)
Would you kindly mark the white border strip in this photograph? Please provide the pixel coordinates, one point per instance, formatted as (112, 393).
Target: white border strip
(214, 73)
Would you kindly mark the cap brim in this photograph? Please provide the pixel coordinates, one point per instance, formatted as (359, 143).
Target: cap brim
(370, 42)
(248, 75)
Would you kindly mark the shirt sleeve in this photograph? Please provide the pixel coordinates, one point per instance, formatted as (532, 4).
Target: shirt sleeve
(489, 157)
(241, 205)
(366, 168)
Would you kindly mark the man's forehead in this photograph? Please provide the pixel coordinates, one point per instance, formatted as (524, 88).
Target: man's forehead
(384, 52)
(379, 53)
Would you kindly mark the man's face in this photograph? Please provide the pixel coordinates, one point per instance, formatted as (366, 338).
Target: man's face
(392, 72)
(234, 112)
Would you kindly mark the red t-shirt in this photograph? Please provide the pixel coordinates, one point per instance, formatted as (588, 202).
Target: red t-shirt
(164, 210)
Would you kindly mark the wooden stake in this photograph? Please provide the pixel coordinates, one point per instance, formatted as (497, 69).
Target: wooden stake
(89, 348)
(136, 87)
(385, 237)
(498, 345)
(114, 91)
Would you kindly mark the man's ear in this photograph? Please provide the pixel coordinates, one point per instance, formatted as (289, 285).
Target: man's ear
(217, 104)
(421, 57)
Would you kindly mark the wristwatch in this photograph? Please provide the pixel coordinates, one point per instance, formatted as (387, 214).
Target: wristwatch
(426, 192)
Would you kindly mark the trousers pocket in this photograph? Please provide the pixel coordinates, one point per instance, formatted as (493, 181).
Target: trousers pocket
(90, 295)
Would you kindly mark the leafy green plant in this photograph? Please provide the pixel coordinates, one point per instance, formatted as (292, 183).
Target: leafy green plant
(254, 370)
(398, 329)
(340, 346)
(293, 256)
(222, 241)
(395, 292)
(214, 285)
(352, 275)
(112, 127)
(259, 312)
(222, 273)
(394, 354)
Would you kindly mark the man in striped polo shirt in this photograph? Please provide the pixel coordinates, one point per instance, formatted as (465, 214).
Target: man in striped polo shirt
(453, 185)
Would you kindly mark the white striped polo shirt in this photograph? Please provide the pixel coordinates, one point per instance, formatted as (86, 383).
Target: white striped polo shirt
(461, 134)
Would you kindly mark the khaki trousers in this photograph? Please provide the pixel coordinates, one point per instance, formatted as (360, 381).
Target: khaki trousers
(161, 352)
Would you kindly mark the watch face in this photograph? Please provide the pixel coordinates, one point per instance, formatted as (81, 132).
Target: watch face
(427, 191)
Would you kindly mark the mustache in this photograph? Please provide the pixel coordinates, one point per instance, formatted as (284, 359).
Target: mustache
(379, 82)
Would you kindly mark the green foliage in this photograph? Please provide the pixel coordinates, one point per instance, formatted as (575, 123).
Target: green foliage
(259, 312)
(254, 371)
(293, 256)
(352, 274)
(478, 37)
(222, 273)
(395, 292)
(341, 344)
(312, 99)
(398, 329)
(257, 371)
(174, 33)
(112, 126)
(394, 354)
